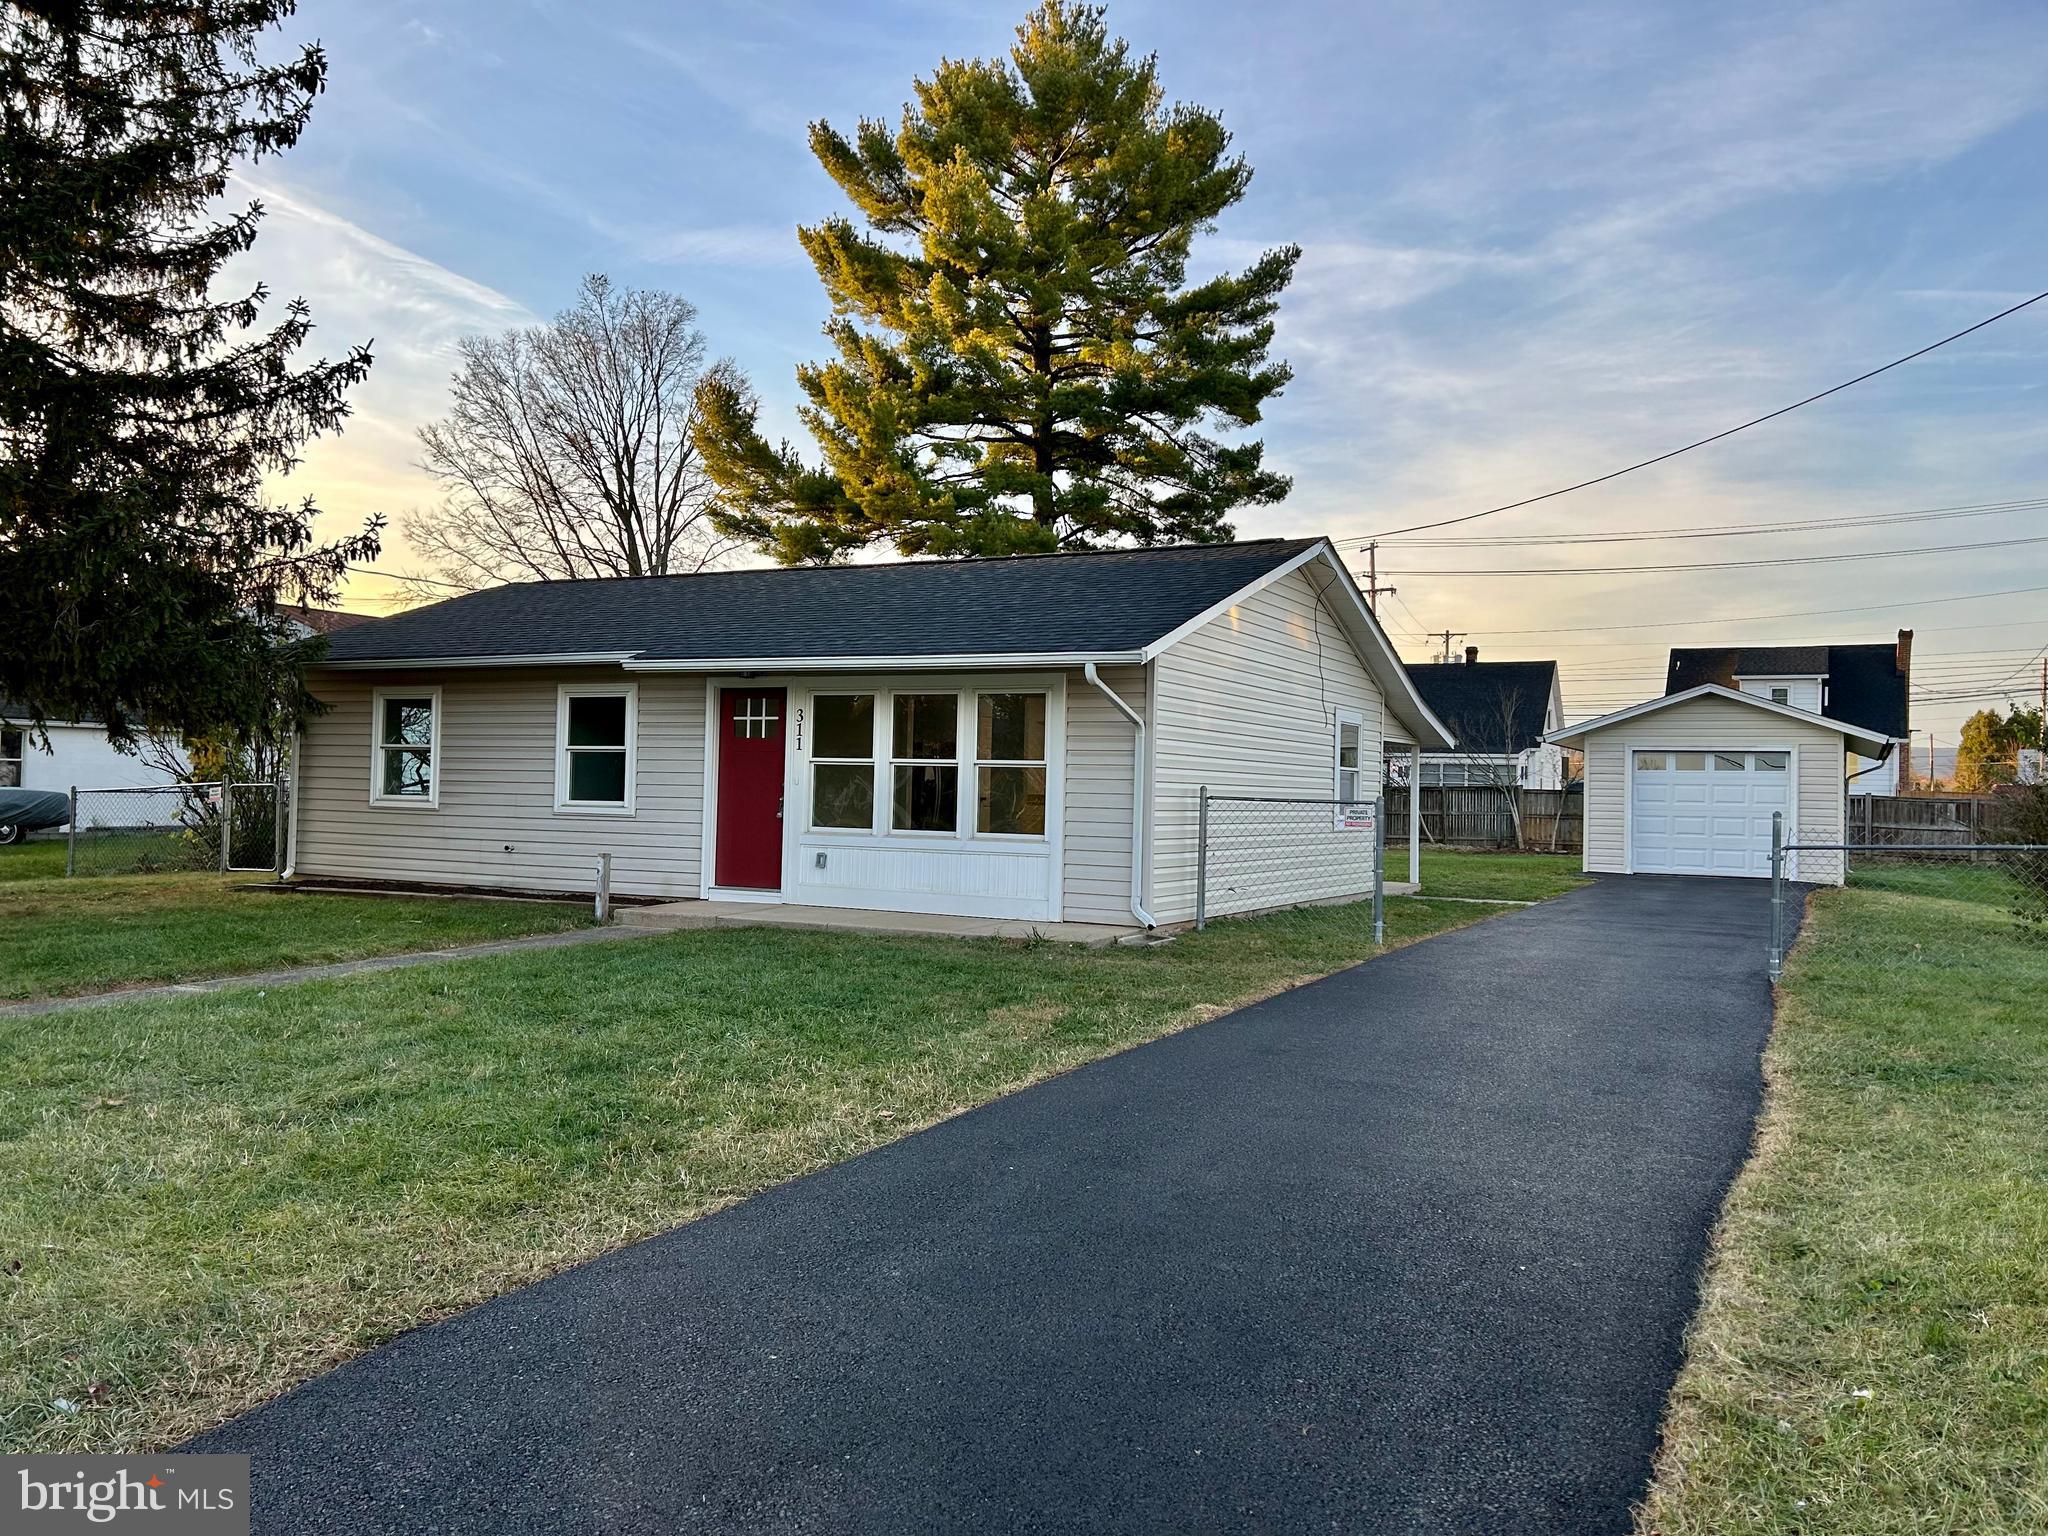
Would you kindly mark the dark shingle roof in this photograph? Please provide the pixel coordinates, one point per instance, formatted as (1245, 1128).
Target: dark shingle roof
(1120, 600)
(1468, 696)
(1864, 684)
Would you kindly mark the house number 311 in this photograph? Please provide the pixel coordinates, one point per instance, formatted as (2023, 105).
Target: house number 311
(797, 718)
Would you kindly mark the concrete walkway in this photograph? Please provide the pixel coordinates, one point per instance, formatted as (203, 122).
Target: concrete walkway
(766, 914)
(1408, 1249)
(283, 978)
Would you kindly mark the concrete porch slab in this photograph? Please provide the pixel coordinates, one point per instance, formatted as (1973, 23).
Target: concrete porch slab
(753, 914)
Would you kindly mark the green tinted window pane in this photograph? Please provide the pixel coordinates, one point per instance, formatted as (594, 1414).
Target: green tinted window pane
(843, 725)
(1012, 801)
(927, 799)
(409, 722)
(598, 777)
(843, 795)
(407, 771)
(927, 725)
(597, 721)
(1011, 726)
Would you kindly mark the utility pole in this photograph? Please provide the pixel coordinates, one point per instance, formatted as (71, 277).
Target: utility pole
(1930, 760)
(2044, 703)
(1448, 639)
(1373, 590)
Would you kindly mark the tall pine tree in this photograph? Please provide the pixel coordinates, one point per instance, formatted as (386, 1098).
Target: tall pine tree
(1022, 363)
(140, 411)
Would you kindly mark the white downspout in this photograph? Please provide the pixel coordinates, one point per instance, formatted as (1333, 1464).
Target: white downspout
(291, 831)
(1137, 792)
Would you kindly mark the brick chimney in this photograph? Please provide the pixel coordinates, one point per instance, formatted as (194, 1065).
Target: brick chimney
(1904, 657)
(1472, 651)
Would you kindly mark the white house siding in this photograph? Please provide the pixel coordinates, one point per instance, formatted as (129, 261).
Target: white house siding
(80, 756)
(496, 824)
(1708, 725)
(1096, 886)
(1247, 705)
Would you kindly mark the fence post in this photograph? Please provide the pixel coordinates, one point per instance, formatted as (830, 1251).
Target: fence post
(71, 837)
(1379, 871)
(1202, 862)
(227, 813)
(1777, 893)
(604, 887)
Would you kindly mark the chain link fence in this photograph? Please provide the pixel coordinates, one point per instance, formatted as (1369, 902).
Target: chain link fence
(1257, 853)
(171, 827)
(1958, 906)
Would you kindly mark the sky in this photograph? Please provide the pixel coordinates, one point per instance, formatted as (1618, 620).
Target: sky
(1539, 243)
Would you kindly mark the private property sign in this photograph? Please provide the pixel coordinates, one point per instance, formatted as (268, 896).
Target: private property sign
(1356, 815)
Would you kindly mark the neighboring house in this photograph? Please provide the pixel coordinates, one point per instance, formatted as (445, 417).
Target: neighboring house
(1021, 738)
(1500, 712)
(78, 754)
(1867, 686)
(1688, 784)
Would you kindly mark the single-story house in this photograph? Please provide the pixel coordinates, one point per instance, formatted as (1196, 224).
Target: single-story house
(1868, 686)
(1500, 712)
(1688, 784)
(73, 754)
(1013, 738)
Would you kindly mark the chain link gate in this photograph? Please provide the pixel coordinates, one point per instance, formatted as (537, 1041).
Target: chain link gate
(1258, 853)
(166, 828)
(2008, 880)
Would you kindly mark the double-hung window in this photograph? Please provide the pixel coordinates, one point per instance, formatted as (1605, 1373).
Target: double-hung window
(405, 767)
(10, 757)
(843, 761)
(1350, 771)
(925, 754)
(594, 728)
(1009, 764)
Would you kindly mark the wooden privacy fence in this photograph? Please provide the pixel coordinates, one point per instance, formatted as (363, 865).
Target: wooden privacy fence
(1481, 817)
(1922, 818)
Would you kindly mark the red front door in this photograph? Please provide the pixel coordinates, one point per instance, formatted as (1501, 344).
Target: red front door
(750, 788)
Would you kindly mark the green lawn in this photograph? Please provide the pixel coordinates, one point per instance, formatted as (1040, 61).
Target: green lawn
(60, 937)
(216, 1197)
(1497, 876)
(36, 859)
(1872, 1355)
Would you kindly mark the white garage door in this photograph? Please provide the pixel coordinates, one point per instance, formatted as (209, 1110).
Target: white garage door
(1706, 813)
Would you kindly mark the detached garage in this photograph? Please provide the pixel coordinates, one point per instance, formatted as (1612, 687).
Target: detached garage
(1688, 784)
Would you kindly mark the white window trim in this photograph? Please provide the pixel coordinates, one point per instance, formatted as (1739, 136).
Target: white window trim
(19, 757)
(976, 762)
(630, 692)
(807, 707)
(1356, 721)
(431, 801)
(885, 813)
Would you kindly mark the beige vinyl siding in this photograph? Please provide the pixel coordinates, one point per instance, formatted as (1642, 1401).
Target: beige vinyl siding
(1096, 884)
(1247, 705)
(496, 824)
(1708, 725)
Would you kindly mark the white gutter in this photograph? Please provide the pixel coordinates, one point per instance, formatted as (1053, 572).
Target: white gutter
(394, 663)
(1137, 792)
(940, 662)
(291, 831)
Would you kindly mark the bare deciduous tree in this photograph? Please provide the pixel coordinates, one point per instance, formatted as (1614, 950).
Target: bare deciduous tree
(568, 453)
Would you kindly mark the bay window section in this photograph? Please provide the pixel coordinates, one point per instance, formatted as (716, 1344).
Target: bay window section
(843, 761)
(924, 756)
(1009, 764)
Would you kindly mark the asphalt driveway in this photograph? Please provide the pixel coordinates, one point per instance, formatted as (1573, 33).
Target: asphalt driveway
(1408, 1249)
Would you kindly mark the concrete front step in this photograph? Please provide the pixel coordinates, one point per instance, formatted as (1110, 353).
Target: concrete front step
(676, 915)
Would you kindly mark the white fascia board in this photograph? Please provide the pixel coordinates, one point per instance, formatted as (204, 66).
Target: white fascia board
(1574, 735)
(1404, 703)
(936, 663)
(396, 663)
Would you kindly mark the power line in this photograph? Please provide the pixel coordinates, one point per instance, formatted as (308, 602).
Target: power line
(1759, 618)
(1723, 530)
(1726, 565)
(1615, 474)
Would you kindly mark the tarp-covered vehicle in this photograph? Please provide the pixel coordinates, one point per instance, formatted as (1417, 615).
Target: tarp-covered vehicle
(23, 811)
